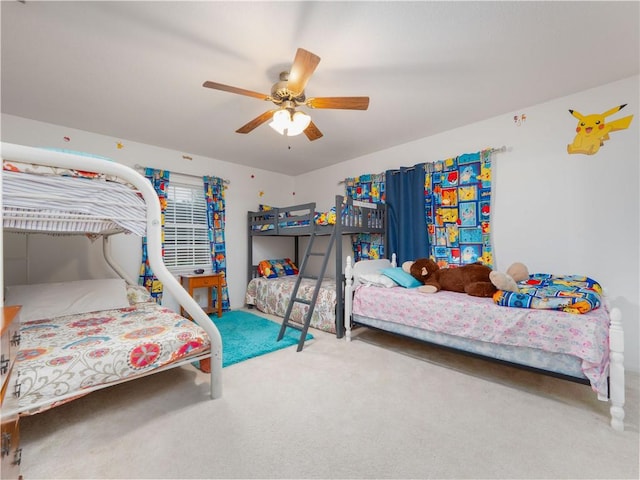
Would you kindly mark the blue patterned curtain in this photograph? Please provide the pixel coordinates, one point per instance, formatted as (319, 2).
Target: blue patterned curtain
(214, 193)
(458, 193)
(367, 188)
(160, 181)
(406, 213)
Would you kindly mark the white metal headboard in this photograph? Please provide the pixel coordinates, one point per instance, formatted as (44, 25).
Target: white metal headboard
(352, 274)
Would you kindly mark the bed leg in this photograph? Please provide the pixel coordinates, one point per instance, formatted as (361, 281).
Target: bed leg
(616, 370)
(348, 298)
(216, 375)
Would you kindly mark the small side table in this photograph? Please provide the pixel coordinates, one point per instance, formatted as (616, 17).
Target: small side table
(193, 281)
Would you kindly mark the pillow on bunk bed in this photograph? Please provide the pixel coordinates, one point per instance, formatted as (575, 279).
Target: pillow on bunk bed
(377, 280)
(402, 278)
(138, 294)
(49, 300)
(277, 268)
(15, 166)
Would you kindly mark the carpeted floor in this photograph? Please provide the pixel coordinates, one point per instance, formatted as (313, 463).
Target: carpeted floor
(377, 407)
(245, 336)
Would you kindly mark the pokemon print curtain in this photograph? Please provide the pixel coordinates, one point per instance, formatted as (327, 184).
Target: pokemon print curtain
(456, 198)
(214, 194)
(160, 181)
(367, 188)
(458, 209)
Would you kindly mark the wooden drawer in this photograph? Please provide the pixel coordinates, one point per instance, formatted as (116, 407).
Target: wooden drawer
(10, 448)
(206, 281)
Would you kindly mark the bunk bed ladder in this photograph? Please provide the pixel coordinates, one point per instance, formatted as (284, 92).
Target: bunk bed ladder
(294, 295)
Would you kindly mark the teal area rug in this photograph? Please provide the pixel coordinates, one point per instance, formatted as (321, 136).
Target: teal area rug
(245, 335)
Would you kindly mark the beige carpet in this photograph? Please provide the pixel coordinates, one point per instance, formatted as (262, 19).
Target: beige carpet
(378, 407)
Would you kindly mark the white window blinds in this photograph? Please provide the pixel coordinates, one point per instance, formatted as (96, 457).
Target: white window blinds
(186, 238)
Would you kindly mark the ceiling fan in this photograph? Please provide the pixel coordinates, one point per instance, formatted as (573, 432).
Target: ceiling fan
(288, 94)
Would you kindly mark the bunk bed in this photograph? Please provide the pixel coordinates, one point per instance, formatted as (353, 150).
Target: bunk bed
(272, 295)
(585, 348)
(78, 337)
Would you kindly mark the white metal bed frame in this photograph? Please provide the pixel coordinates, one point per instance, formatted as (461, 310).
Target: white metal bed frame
(20, 153)
(616, 335)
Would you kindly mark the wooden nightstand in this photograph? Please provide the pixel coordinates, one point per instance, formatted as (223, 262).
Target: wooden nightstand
(210, 281)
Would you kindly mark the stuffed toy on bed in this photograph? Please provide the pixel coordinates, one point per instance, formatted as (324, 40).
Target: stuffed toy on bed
(508, 281)
(474, 279)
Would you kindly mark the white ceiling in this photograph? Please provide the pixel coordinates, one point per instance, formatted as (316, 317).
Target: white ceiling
(134, 70)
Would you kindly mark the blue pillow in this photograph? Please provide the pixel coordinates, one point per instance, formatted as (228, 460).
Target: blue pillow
(401, 277)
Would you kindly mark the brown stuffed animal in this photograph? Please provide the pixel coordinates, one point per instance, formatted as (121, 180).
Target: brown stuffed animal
(472, 279)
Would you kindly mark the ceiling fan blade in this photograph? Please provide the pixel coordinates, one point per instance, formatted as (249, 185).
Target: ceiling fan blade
(303, 67)
(347, 103)
(312, 132)
(256, 122)
(239, 91)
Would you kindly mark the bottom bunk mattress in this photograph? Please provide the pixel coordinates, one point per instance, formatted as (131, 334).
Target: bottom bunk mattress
(64, 357)
(272, 295)
(564, 343)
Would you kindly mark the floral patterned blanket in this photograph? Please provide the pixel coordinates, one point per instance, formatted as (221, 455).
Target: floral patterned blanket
(65, 355)
(271, 295)
(583, 336)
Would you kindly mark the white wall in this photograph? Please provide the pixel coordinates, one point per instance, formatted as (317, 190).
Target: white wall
(65, 258)
(555, 212)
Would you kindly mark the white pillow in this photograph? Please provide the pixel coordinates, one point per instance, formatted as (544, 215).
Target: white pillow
(48, 300)
(377, 280)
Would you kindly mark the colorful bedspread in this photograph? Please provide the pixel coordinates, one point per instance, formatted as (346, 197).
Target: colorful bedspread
(272, 295)
(569, 293)
(583, 336)
(66, 355)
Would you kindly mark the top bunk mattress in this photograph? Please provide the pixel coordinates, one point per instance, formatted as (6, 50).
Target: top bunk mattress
(46, 203)
(353, 217)
(43, 193)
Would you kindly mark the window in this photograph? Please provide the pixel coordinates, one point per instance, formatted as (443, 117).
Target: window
(186, 232)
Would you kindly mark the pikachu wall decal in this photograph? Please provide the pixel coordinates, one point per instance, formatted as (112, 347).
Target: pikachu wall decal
(592, 130)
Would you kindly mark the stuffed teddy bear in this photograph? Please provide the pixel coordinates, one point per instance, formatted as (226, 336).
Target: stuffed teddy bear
(474, 279)
(509, 281)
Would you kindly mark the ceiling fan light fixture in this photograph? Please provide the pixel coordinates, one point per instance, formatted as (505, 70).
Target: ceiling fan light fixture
(299, 122)
(281, 121)
(285, 124)
(288, 94)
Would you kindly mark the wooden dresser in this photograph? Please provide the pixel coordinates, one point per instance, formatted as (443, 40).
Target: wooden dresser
(10, 439)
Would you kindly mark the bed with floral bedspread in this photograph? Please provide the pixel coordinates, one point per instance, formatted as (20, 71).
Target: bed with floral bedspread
(272, 295)
(65, 357)
(583, 347)
(482, 324)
